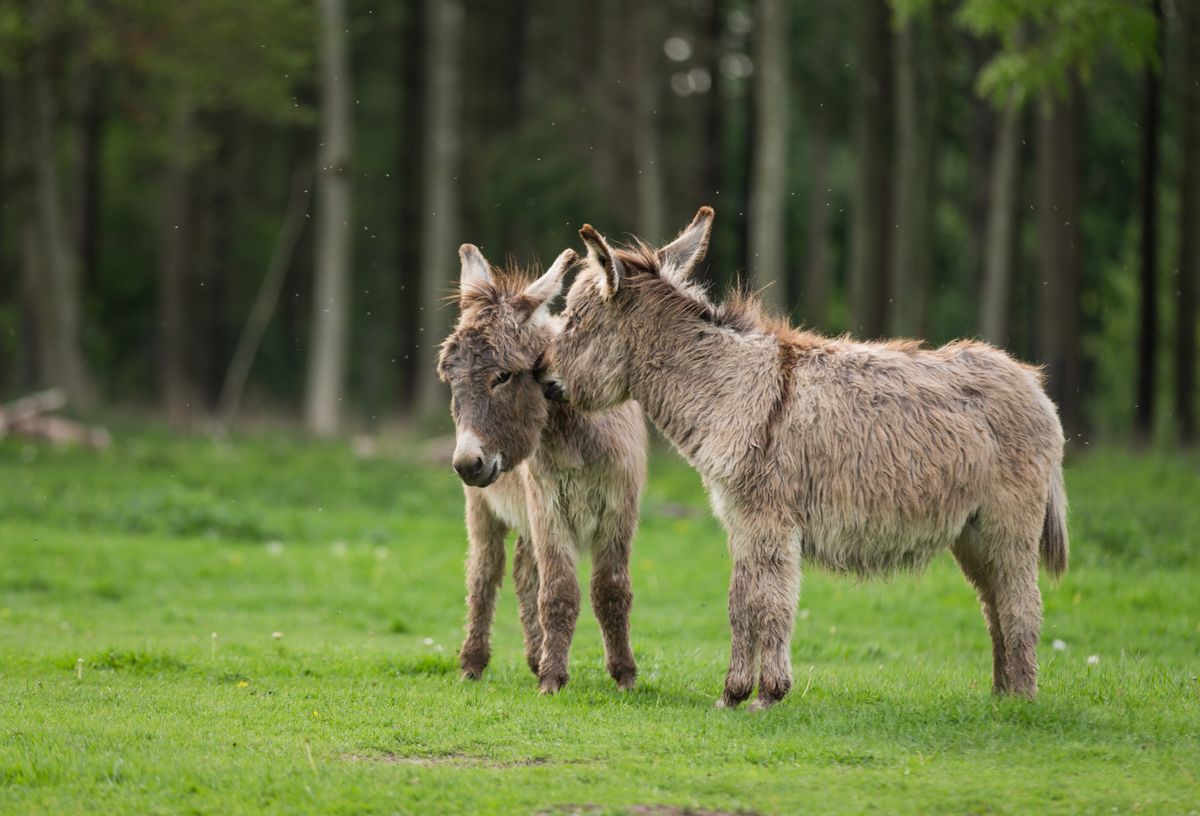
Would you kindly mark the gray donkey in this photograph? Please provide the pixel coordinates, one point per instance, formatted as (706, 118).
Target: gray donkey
(861, 457)
(565, 481)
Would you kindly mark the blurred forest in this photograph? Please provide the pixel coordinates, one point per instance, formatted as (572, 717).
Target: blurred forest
(219, 209)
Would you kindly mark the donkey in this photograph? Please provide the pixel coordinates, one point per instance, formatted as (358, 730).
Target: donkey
(565, 481)
(861, 457)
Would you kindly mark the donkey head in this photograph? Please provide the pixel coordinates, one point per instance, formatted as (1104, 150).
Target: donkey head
(590, 360)
(504, 327)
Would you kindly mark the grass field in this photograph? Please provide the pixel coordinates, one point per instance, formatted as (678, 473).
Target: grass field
(266, 625)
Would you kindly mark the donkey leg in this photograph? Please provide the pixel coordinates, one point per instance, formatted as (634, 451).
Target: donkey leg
(762, 608)
(780, 590)
(612, 598)
(969, 555)
(485, 570)
(1019, 609)
(525, 576)
(558, 605)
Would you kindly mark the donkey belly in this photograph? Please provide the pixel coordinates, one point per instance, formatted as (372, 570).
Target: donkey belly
(869, 549)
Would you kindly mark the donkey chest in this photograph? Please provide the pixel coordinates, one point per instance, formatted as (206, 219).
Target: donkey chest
(507, 498)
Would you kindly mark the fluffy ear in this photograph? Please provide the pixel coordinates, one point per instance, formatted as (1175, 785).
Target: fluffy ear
(476, 271)
(537, 295)
(678, 258)
(600, 252)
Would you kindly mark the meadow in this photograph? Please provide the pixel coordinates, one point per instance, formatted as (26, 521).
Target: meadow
(269, 625)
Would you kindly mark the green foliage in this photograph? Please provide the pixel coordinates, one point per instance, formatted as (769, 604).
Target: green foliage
(1045, 42)
(116, 696)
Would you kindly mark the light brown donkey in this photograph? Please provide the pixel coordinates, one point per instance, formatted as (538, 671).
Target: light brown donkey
(565, 481)
(862, 457)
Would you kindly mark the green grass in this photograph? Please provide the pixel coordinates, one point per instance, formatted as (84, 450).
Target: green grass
(140, 591)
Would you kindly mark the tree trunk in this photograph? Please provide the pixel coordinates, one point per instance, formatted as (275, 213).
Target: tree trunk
(646, 19)
(769, 176)
(714, 143)
(175, 267)
(1189, 227)
(331, 294)
(1000, 235)
(909, 280)
(1147, 357)
(982, 129)
(871, 228)
(88, 168)
(439, 234)
(410, 163)
(1058, 137)
(818, 271)
(63, 362)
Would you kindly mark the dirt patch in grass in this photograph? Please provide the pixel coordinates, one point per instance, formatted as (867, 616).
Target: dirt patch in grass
(446, 760)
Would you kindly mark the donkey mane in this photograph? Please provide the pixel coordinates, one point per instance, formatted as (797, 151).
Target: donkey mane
(742, 311)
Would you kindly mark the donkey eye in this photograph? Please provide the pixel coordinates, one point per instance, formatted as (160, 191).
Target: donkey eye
(502, 378)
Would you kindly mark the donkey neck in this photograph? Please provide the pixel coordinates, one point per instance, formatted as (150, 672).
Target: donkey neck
(708, 389)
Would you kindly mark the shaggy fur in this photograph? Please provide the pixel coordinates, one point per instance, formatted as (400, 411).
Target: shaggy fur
(861, 457)
(565, 481)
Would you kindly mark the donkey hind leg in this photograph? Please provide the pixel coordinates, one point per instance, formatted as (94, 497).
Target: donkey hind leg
(1019, 608)
(485, 570)
(969, 554)
(525, 577)
(612, 598)
(762, 610)
(558, 605)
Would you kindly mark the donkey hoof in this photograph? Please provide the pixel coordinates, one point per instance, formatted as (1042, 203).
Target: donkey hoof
(624, 674)
(552, 682)
(760, 704)
(472, 673)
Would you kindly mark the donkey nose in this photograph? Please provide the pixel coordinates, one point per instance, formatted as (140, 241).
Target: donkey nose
(468, 467)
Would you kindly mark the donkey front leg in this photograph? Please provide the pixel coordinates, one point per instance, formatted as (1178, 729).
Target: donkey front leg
(763, 592)
(558, 602)
(612, 598)
(485, 570)
(525, 577)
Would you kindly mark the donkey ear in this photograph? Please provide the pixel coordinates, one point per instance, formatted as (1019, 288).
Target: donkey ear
(476, 271)
(678, 258)
(537, 295)
(601, 253)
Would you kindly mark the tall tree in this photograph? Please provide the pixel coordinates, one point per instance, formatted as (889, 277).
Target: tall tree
(410, 165)
(331, 296)
(1059, 135)
(1189, 225)
(871, 227)
(918, 111)
(1148, 324)
(646, 18)
(55, 291)
(1001, 226)
(443, 101)
(768, 250)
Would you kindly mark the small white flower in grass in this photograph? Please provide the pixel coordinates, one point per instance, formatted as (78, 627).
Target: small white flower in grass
(339, 548)
(275, 548)
(428, 641)
(1059, 645)
(1093, 660)
(804, 613)
(382, 553)
(277, 635)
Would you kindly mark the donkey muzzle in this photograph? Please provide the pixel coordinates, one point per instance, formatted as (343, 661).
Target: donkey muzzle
(471, 465)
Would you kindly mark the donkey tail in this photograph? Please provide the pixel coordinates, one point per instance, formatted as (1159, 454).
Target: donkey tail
(1054, 528)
